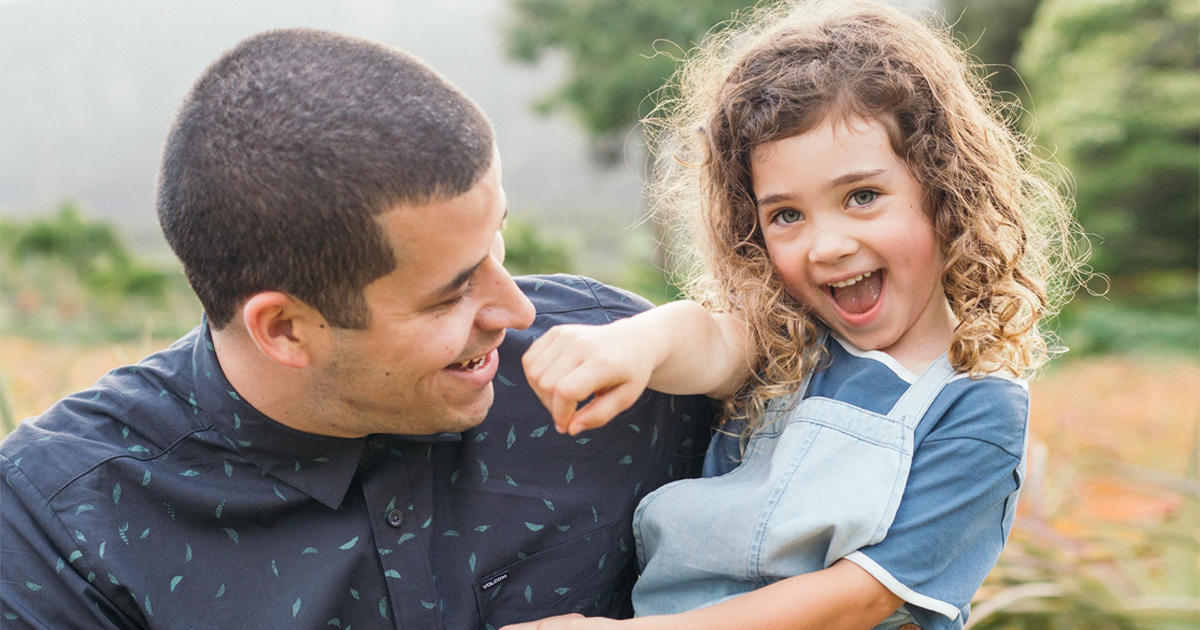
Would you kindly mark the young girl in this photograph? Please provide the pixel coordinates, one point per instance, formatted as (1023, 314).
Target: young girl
(876, 252)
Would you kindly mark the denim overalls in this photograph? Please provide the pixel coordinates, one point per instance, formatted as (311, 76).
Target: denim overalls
(820, 479)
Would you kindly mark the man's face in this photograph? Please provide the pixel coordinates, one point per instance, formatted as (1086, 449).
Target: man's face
(426, 362)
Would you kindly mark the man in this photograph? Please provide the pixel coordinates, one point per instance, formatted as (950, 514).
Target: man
(316, 453)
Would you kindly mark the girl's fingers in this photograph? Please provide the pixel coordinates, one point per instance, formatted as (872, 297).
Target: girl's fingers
(588, 378)
(604, 407)
(569, 364)
(541, 354)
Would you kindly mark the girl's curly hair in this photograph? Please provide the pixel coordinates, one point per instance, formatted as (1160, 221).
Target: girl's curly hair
(1005, 228)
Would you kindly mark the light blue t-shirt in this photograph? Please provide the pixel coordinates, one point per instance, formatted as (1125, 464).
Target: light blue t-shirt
(955, 513)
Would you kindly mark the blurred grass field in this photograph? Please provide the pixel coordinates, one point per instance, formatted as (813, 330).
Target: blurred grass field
(1106, 534)
(1108, 527)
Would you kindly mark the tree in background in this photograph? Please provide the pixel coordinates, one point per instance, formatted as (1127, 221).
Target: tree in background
(991, 30)
(1113, 93)
(618, 53)
(1116, 88)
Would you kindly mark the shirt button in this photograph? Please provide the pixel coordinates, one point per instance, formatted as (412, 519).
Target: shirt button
(395, 518)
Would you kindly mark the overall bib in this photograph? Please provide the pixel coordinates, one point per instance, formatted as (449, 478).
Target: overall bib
(819, 480)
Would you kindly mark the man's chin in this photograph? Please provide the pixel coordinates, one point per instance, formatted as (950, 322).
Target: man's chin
(469, 414)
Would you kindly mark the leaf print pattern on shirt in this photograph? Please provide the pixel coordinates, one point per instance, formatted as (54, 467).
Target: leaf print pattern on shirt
(470, 539)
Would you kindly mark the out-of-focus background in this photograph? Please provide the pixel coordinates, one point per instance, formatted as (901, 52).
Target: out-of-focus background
(1107, 535)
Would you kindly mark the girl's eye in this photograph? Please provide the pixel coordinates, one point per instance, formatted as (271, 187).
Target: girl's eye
(789, 215)
(863, 197)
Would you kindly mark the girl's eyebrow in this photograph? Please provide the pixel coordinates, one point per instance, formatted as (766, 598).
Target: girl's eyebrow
(843, 180)
(850, 178)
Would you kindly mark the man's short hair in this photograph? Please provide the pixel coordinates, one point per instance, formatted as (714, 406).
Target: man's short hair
(285, 150)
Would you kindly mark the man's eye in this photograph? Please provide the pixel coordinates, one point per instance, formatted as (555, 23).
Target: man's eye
(789, 215)
(863, 197)
(454, 301)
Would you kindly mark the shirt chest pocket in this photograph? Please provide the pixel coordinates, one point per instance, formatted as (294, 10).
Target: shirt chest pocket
(579, 575)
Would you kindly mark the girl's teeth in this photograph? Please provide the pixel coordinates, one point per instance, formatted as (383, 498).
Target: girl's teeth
(849, 281)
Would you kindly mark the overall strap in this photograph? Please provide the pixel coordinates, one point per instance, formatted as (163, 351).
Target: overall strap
(822, 337)
(912, 405)
(781, 406)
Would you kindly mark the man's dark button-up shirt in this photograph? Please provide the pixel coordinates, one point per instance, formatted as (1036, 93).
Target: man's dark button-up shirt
(160, 499)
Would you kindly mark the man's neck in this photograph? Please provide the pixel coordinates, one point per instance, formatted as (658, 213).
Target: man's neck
(278, 392)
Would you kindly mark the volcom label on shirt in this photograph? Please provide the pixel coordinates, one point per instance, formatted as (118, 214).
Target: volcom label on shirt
(494, 581)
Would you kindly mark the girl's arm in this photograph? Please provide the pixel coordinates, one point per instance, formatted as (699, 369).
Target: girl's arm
(842, 597)
(679, 348)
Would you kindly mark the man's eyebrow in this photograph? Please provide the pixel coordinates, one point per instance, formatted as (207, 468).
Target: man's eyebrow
(465, 275)
(459, 280)
(843, 180)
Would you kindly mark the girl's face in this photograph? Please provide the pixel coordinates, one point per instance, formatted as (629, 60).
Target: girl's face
(846, 229)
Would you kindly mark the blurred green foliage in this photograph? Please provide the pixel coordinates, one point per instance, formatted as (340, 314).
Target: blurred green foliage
(528, 250)
(1116, 89)
(91, 251)
(66, 276)
(991, 30)
(612, 70)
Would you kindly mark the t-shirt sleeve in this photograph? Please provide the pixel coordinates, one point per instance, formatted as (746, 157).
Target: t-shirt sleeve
(45, 580)
(957, 507)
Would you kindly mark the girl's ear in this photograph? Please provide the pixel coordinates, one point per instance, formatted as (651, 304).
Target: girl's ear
(283, 328)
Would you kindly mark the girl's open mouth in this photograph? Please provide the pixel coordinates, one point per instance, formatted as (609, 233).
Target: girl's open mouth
(857, 295)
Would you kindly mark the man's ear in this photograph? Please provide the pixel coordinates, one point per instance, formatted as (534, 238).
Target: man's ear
(285, 329)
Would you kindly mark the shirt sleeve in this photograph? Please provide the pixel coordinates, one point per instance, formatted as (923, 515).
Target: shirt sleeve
(957, 507)
(44, 582)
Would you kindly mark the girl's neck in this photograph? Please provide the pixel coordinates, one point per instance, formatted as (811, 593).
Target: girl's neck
(928, 338)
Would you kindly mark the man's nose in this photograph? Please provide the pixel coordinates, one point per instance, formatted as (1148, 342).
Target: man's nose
(508, 307)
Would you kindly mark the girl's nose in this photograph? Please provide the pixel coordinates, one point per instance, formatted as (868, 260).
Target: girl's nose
(831, 245)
